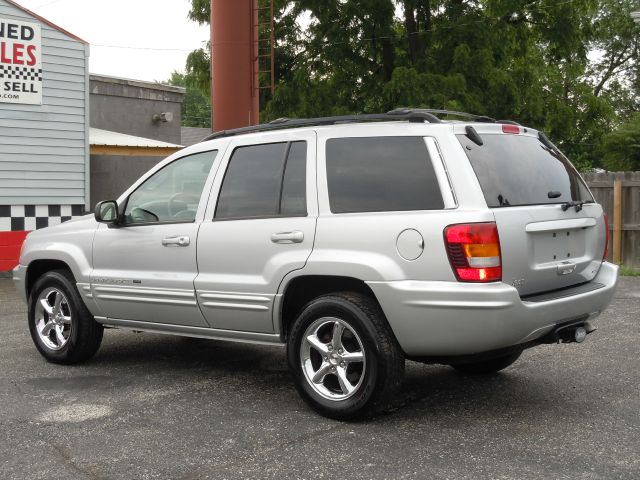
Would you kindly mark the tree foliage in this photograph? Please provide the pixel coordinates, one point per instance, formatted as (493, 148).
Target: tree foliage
(569, 67)
(621, 148)
(196, 106)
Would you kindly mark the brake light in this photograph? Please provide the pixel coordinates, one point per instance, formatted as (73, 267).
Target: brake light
(607, 234)
(506, 128)
(474, 251)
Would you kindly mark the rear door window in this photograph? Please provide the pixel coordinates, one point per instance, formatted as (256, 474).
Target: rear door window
(381, 174)
(520, 170)
(267, 180)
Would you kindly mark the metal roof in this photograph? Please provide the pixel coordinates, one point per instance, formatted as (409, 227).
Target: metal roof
(115, 139)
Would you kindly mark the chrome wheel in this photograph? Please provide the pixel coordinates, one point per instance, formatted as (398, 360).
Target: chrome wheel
(333, 358)
(53, 318)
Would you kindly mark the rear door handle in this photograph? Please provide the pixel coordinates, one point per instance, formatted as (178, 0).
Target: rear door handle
(288, 237)
(176, 241)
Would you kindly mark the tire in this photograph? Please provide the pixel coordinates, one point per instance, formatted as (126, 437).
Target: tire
(359, 371)
(71, 336)
(488, 366)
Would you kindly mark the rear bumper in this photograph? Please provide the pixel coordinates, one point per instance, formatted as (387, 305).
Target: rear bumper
(452, 318)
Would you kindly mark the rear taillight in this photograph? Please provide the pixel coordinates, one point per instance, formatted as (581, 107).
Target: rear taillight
(474, 251)
(607, 234)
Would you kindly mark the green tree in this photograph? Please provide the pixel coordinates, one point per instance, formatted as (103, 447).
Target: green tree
(621, 148)
(196, 106)
(568, 67)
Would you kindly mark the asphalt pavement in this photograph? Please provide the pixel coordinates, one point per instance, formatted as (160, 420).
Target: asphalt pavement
(156, 406)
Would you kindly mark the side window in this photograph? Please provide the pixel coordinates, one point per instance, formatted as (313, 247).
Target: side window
(294, 184)
(173, 193)
(267, 180)
(381, 174)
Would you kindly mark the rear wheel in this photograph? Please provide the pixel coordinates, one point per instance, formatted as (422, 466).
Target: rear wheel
(489, 366)
(62, 328)
(345, 361)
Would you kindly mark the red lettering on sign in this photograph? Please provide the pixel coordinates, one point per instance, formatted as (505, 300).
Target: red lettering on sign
(3, 53)
(32, 56)
(18, 52)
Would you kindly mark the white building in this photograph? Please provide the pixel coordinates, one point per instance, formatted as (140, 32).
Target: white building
(44, 126)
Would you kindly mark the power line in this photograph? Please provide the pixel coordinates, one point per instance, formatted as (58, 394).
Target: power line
(389, 37)
(48, 3)
(144, 48)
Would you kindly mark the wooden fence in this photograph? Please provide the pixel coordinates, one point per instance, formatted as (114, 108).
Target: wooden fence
(619, 195)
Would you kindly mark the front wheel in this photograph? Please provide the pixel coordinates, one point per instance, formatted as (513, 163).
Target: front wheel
(345, 361)
(62, 328)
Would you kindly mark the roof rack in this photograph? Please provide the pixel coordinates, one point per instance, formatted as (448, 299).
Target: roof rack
(282, 123)
(414, 115)
(451, 113)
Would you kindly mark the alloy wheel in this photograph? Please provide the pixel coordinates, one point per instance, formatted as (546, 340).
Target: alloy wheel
(333, 358)
(53, 318)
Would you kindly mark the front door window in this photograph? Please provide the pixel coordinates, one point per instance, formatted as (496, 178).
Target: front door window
(172, 194)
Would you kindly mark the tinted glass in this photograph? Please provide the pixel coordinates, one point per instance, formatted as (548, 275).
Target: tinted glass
(378, 174)
(521, 170)
(173, 193)
(251, 186)
(294, 185)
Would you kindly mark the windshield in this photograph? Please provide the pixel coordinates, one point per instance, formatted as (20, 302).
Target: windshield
(520, 170)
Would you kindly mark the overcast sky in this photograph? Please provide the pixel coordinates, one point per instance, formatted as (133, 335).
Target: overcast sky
(155, 36)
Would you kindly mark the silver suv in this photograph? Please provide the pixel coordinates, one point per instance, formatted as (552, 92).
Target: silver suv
(355, 241)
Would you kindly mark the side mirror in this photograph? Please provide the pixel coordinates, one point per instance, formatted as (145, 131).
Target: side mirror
(106, 211)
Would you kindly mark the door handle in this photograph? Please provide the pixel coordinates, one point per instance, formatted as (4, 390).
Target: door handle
(288, 237)
(177, 241)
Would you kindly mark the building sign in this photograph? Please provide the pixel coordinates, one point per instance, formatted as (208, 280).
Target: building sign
(20, 62)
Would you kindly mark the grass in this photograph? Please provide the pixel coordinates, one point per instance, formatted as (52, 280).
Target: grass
(628, 271)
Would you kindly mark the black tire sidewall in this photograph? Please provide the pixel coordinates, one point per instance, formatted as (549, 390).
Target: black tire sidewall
(77, 308)
(330, 306)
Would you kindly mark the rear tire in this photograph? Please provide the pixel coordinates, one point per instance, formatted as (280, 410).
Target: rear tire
(62, 328)
(488, 366)
(344, 358)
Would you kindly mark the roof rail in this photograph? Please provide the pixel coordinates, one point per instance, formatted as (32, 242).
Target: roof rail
(399, 114)
(453, 113)
(508, 122)
(282, 123)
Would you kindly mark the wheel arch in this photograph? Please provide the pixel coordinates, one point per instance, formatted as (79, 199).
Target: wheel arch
(300, 290)
(39, 267)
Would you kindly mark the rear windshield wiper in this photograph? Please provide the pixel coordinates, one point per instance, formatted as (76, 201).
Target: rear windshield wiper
(473, 135)
(577, 204)
(503, 201)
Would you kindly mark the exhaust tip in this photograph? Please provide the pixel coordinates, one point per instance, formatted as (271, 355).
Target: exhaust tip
(579, 334)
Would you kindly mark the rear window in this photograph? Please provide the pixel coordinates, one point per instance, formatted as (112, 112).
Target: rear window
(381, 174)
(520, 170)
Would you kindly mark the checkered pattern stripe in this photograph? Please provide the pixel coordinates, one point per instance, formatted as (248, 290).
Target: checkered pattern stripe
(17, 218)
(12, 72)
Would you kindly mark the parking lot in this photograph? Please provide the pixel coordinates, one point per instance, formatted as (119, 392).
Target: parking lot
(156, 406)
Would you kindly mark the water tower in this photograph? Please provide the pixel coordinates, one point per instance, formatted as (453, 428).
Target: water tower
(242, 60)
